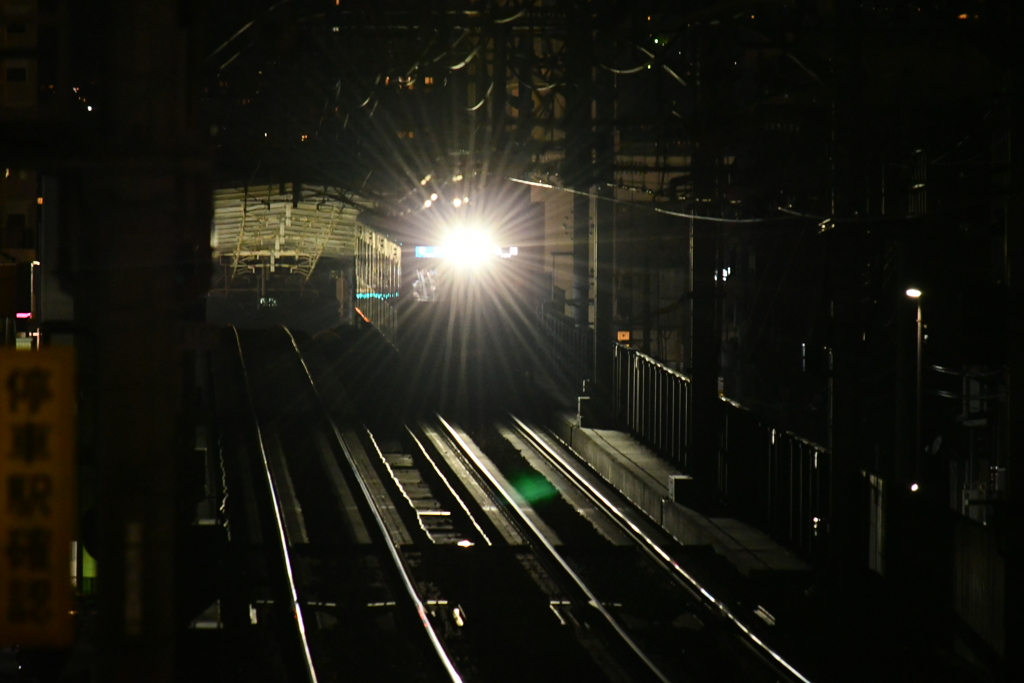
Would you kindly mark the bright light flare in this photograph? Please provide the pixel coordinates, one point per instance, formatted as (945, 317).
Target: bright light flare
(469, 247)
(914, 293)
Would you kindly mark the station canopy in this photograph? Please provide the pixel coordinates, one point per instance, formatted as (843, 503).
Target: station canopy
(280, 232)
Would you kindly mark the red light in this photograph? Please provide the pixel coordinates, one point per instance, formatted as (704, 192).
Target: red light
(22, 316)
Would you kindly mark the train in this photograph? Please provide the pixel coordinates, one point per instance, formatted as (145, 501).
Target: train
(451, 336)
(391, 327)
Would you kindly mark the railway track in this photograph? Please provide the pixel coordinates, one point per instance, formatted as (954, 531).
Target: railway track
(431, 554)
(755, 658)
(615, 567)
(323, 594)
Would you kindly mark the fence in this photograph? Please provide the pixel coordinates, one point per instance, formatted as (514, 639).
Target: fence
(652, 399)
(568, 349)
(378, 275)
(768, 477)
(775, 479)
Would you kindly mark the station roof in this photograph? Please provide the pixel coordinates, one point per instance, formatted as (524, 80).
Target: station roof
(282, 229)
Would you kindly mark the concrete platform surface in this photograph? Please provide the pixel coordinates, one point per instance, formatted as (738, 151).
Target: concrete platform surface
(643, 477)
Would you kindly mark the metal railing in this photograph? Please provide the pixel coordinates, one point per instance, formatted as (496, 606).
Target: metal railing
(568, 350)
(653, 400)
(775, 479)
(768, 477)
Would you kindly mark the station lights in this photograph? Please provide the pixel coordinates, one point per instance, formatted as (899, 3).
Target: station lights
(915, 294)
(434, 199)
(457, 203)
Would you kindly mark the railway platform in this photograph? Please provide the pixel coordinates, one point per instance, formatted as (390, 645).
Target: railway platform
(660, 491)
(859, 633)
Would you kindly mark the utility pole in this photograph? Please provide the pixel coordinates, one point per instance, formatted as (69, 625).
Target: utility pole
(1011, 526)
(144, 205)
(845, 248)
(705, 338)
(577, 165)
(604, 174)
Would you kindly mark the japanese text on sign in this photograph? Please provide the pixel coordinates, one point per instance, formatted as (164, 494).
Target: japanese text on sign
(37, 510)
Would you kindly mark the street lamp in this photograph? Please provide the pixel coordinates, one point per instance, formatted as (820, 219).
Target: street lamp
(915, 293)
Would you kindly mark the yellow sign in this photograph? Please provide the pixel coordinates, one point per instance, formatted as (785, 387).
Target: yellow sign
(37, 496)
(623, 335)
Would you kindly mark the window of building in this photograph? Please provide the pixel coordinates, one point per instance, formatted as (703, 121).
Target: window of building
(918, 184)
(17, 234)
(16, 74)
(15, 221)
(876, 524)
(17, 8)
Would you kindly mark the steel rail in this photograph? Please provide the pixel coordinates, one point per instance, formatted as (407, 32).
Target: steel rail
(396, 556)
(594, 601)
(282, 537)
(449, 486)
(569, 469)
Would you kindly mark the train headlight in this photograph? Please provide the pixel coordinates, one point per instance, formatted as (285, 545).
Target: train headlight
(469, 247)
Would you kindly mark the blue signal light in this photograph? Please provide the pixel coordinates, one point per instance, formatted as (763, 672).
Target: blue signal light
(376, 295)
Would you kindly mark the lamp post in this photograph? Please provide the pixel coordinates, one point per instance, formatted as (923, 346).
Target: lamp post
(915, 294)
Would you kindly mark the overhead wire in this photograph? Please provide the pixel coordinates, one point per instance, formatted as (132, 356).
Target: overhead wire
(245, 27)
(653, 60)
(537, 80)
(642, 205)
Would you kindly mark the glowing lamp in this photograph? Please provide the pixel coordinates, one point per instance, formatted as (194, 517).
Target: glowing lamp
(468, 247)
